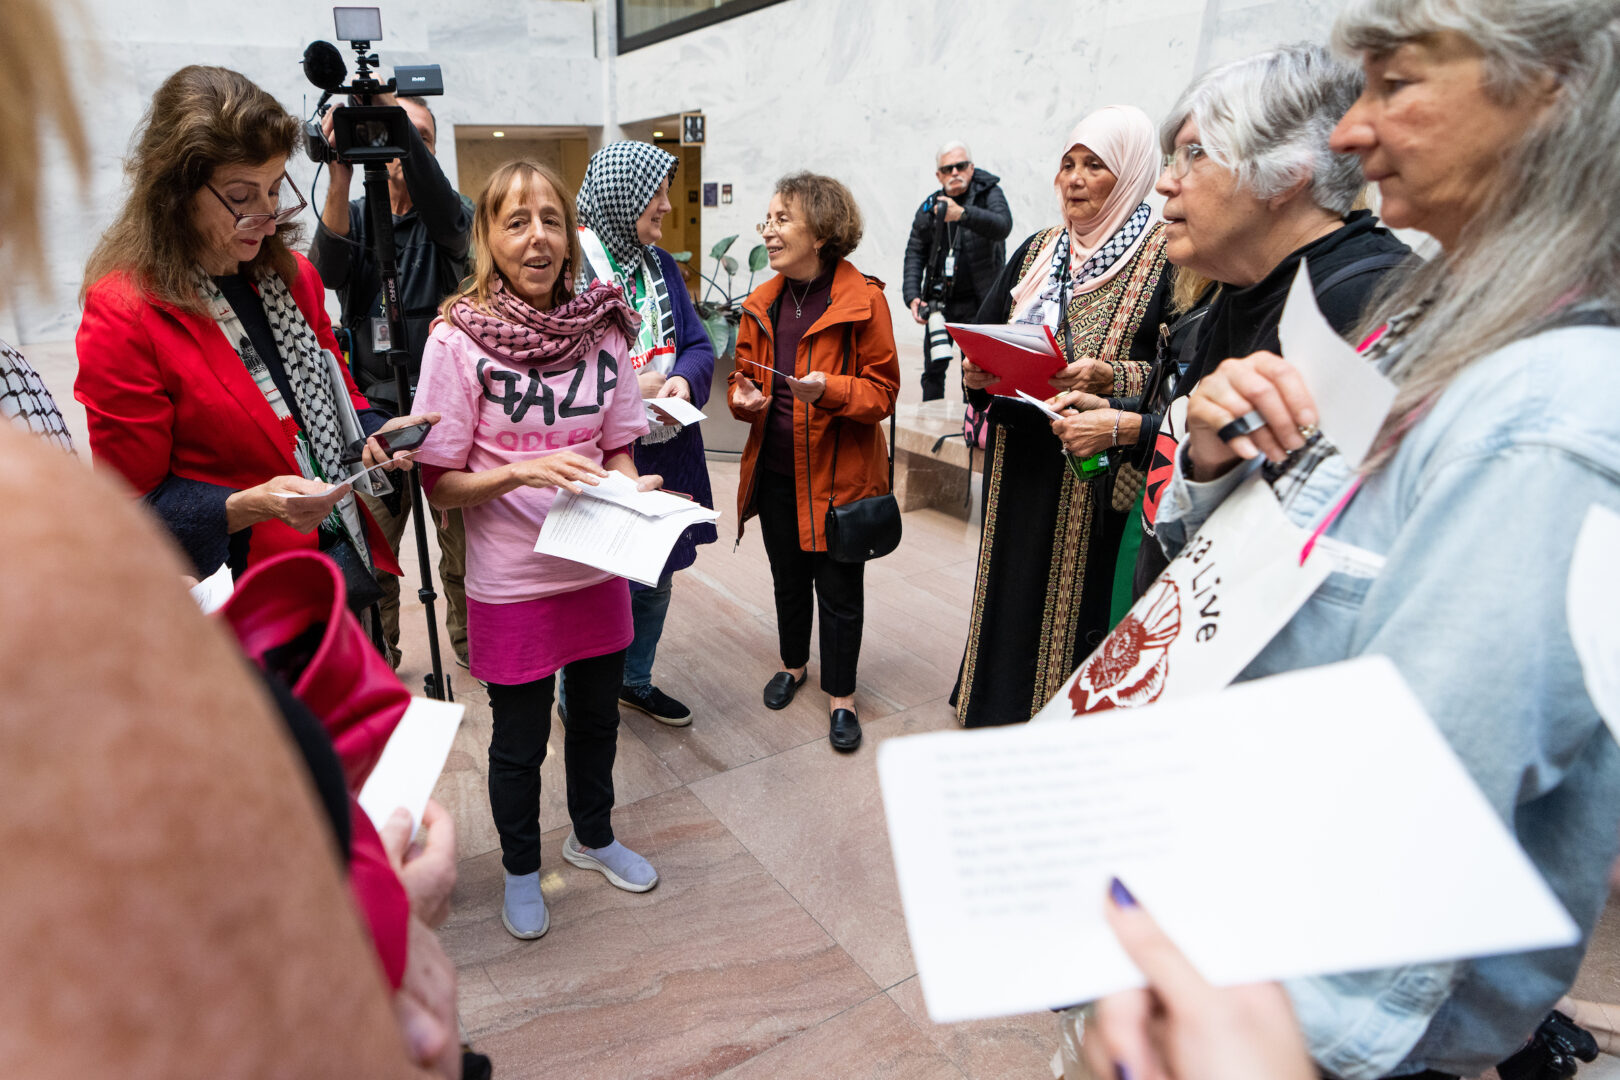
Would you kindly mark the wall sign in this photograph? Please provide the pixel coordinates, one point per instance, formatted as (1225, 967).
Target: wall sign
(725, 194)
(692, 129)
(711, 194)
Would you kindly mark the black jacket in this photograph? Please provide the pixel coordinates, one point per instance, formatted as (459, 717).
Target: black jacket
(431, 243)
(980, 240)
(1346, 268)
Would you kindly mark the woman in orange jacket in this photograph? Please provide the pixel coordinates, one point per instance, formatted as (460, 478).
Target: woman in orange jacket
(816, 376)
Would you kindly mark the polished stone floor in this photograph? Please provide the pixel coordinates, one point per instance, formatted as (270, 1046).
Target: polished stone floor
(774, 945)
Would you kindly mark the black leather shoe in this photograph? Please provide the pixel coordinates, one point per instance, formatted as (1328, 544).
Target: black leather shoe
(844, 730)
(780, 690)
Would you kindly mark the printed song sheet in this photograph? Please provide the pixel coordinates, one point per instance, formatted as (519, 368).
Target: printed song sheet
(1255, 824)
(625, 533)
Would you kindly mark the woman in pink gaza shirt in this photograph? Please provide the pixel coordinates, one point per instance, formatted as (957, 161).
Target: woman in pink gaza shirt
(527, 378)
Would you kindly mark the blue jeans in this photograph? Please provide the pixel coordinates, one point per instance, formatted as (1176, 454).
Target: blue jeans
(647, 610)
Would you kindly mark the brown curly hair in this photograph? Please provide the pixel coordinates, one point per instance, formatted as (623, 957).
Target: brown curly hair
(830, 211)
(199, 119)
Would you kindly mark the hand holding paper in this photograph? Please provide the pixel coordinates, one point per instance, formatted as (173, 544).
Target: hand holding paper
(1267, 847)
(1266, 404)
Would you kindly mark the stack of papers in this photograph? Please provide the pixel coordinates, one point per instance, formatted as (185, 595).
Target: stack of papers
(616, 528)
(1255, 824)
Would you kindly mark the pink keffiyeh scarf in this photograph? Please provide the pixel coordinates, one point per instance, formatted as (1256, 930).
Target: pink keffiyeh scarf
(521, 334)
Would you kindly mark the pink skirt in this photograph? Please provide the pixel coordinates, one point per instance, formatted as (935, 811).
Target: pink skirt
(512, 644)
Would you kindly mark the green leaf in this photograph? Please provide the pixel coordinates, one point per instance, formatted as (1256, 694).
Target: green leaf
(729, 263)
(681, 256)
(722, 247)
(758, 258)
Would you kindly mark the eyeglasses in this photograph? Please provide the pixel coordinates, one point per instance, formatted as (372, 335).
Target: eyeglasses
(1180, 161)
(955, 167)
(773, 226)
(281, 216)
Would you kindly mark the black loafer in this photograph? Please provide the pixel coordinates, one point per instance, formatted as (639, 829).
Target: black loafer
(844, 730)
(780, 690)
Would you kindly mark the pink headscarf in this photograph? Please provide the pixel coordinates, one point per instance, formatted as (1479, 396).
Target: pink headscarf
(1124, 138)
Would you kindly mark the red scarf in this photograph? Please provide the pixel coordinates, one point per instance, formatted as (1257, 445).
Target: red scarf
(519, 333)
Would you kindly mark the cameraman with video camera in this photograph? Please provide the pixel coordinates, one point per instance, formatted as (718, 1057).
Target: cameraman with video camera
(432, 235)
(956, 250)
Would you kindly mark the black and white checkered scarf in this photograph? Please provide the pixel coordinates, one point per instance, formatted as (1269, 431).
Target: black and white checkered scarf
(310, 376)
(620, 181)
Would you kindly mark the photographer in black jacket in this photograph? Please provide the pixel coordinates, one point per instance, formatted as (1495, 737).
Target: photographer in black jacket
(432, 234)
(971, 212)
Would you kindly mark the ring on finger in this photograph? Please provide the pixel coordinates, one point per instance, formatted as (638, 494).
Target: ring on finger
(1243, 425)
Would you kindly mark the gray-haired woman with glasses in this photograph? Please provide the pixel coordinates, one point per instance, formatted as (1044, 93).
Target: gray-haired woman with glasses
(207, 365)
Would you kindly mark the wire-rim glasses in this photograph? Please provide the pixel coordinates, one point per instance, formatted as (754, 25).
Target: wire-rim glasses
(245, 222)
(1180, 161)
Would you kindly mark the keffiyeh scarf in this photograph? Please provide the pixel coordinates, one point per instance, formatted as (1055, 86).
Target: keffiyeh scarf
(1047, 307)
(330, 421)
(549, 340)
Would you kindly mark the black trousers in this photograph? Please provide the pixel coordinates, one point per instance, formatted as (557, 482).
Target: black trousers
(795, 573)
(517, 748)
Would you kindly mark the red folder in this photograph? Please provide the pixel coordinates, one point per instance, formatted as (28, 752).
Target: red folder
(1023, 356)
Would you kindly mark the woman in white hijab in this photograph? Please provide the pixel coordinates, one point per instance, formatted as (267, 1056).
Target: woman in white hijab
(1046, 559)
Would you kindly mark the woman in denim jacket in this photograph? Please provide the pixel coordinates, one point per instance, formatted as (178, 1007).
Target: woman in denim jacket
(1491, 126)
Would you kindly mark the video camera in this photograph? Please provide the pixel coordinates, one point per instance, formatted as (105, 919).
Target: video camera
(361, 133)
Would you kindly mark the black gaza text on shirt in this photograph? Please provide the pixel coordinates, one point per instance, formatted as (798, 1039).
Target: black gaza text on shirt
(501, 388)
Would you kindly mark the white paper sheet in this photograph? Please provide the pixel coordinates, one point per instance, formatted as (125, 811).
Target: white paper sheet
(612, 537)
(1255, 824)
(619, 489)
(410, 764)
(1593, 603)
(1352, 396)
(1029, 337)
(212, 591)
(346, 480)
(1039, 404)
(672, 409)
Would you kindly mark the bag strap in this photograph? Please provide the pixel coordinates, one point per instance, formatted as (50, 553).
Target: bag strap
(1388, 260)
(838, 435)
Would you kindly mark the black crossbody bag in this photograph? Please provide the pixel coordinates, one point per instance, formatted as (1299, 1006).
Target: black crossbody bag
(867, 528)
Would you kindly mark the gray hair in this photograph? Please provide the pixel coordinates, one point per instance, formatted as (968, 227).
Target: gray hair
(1553, 214)
(1267, 118)
(954, 144)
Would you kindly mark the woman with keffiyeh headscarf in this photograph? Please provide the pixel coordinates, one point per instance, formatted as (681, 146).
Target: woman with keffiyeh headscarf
(531, 383)
(621, 208)
(1046, 558)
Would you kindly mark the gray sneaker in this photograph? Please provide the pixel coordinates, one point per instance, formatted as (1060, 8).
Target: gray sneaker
(656, 704)
(523, 911)
(621, 866)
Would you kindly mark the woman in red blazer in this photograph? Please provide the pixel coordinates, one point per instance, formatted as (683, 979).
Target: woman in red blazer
(207, 363)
